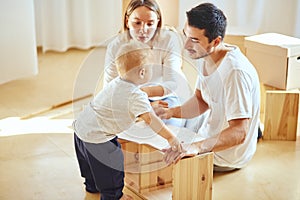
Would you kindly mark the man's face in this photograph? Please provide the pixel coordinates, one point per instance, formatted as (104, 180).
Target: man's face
(196, 43)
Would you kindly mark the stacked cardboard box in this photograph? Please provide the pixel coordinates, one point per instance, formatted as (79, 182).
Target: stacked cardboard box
(276, 58)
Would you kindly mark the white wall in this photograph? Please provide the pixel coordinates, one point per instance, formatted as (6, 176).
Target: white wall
(249, 17)
(18, 56)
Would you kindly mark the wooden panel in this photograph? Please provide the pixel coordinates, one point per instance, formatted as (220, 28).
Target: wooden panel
(140, 153)
(263, 90)
(144, 178)
(237, 40)
(145, 169)
(136, 196)
(281, 115)
(192, 178)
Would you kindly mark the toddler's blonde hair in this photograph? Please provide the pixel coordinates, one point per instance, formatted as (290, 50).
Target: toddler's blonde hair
(131, 55)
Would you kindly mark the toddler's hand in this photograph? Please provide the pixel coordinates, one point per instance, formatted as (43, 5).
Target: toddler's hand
(175, 145)
(174, 153)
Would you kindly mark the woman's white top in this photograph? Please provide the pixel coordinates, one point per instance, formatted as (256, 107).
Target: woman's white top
(166, 58)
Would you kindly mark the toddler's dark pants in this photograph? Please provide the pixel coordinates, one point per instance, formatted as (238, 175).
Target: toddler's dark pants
(102, 166)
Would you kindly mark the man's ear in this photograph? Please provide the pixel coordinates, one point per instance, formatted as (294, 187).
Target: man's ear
(142, 72)
(217, 41)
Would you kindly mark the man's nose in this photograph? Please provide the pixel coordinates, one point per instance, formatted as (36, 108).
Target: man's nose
(186, 43)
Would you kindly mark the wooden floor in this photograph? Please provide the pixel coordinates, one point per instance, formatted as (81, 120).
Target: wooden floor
(37, 159)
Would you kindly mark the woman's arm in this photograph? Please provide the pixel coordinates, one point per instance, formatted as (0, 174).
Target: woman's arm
(153, 91)
(168, 59)
(110, 70)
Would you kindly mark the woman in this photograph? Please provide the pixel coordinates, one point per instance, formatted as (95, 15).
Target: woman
(143, 22)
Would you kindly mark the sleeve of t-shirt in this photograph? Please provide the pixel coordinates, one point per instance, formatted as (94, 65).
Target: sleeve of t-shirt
(238, 98)
(110, 69)
(139, 103)
(172, 62)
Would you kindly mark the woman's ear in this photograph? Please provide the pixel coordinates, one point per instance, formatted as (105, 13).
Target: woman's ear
(126, 21)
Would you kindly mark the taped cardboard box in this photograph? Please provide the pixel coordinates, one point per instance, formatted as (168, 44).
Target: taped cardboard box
(276, 58)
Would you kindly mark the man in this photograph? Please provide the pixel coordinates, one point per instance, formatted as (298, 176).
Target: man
(227, 88)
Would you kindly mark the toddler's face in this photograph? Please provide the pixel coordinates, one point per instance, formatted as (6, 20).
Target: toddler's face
(148, 72)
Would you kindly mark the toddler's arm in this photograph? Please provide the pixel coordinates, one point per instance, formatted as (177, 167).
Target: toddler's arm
(159, 127)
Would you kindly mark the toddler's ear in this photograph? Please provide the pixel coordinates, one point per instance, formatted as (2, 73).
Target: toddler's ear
(142, 72)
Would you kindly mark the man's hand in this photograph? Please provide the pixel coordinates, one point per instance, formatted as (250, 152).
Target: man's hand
(172, 156)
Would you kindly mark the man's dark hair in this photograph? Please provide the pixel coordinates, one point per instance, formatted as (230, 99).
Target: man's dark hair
(208, 17)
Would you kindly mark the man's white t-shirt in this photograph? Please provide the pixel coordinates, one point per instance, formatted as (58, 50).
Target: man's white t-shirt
(232, 92)
(113, 110)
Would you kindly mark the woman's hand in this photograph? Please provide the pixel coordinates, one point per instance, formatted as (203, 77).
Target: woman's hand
(163, 113)
(159, 103)
(158, 106)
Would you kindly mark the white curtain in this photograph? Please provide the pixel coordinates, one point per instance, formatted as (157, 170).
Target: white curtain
(18, 56)
(249, 17)
(63, 24)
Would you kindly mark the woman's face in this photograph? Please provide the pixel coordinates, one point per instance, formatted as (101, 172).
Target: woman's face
(142, 24)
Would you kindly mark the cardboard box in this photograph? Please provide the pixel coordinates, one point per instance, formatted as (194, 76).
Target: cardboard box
(276, 58)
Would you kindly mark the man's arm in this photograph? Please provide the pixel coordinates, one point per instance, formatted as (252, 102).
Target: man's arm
(234, 135)
(193, 107)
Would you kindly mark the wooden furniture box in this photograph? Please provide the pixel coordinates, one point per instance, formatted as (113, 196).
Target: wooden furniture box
(148, 177)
